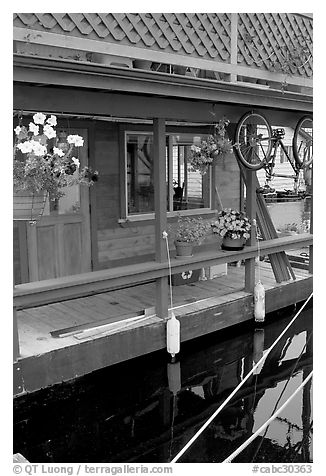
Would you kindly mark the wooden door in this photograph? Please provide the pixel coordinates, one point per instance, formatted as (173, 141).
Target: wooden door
(59, 244)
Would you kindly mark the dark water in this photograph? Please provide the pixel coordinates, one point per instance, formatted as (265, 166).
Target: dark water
(147, 410)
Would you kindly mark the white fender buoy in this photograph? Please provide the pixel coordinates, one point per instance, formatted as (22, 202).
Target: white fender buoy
(259, 298)
(174, 377)
(173, 335)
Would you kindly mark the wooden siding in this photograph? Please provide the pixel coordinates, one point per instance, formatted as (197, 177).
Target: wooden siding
(129, 242)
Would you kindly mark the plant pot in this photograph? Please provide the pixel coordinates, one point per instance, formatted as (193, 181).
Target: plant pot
(183, 249)
(232, 244)
(28, 206)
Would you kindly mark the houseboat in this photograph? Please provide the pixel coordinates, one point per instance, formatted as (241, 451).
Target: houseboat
(92, 275)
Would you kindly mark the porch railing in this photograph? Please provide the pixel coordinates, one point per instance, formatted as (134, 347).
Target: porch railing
(235, 46)
(69, 287)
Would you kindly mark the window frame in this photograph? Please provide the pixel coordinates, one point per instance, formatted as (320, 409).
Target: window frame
(124, 216)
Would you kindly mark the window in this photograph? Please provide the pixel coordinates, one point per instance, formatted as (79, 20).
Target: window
(186, 190)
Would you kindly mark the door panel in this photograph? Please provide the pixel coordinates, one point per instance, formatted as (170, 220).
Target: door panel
(59, 244)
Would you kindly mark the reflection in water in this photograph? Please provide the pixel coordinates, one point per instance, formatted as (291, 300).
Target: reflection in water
(147, 410)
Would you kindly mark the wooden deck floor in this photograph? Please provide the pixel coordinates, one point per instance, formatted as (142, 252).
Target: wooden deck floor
(202, 307)
(116, 308)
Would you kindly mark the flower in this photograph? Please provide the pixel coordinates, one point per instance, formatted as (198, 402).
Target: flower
(58, 151)
(75, 161)
(78, 141)
(38, 149)
(25, 147)
(191, 229)
(49, 131)
(52, 120)
(39, 118)
(216, 145)
(33, 128)
(41, 166)
(232, 223)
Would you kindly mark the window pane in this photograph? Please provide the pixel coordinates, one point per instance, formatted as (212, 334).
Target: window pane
(140, 184)
(191, 189)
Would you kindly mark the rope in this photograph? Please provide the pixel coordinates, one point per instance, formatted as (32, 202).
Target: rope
(165, 236)
(282, 393)
(220, 408)
(246, 443)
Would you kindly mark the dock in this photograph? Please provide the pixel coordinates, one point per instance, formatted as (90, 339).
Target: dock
(91, 340)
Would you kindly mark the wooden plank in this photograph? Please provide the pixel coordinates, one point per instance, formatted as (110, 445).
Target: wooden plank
(70, 362)
(251, 180)
(159, 165)
(55, 39)
(234, 44)
(16, 351)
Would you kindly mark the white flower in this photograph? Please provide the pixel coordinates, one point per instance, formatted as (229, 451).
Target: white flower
(38, 148)
(58, 151)
(25, 147)
(75, 161)
(78, 141)
(49, 131)
(52, 120)
(39, 118)
(17, 130)
(33, 128)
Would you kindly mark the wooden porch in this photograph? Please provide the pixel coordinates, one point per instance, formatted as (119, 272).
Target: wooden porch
(63, 340)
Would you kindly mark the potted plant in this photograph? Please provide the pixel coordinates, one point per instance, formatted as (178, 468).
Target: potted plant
(190, 231)
(234, 227)
(44, 164)
(210, 149)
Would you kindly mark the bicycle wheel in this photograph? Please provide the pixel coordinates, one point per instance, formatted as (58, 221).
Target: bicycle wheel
(253, 140)
(302, 142)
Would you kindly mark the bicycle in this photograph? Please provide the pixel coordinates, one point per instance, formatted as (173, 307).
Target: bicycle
(256, 145)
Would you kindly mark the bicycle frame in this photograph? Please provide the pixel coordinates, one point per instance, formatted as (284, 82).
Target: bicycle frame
(277, 142)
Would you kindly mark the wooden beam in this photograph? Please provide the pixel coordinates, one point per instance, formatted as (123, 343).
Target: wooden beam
(65, 41)
(160, 196)
(234, 45)
(79, 75)
(70, 287)
(251, 213)
(310, 268)
(16, 352)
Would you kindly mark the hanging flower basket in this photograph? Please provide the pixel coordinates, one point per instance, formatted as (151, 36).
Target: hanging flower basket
(210, 150)
(44, 165)
(29, 206)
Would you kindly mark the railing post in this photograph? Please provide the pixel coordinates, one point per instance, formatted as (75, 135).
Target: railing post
(160, 196)
(310, 267)
(234, 44)
(16, 352)
(251, 213)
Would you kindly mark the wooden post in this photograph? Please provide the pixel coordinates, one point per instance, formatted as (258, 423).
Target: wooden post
(160, 196)
(15, 340)
(234, 44)
(310, 267)
(170, 173)
(16, 352)
(251, 213)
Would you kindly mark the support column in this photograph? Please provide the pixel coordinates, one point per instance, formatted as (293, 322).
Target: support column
(15, 337)
(251, 213)
(160, 202)
(234, 44)
(310, 268)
